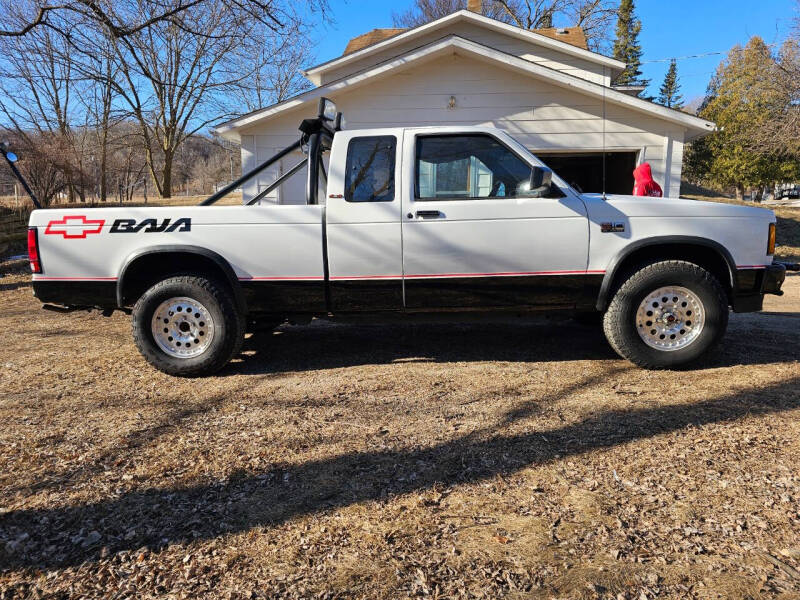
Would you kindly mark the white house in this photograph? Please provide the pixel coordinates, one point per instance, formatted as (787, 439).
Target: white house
(543, 87)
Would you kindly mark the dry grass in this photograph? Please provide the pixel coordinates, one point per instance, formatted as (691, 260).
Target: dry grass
(788, 233)
(517, 461)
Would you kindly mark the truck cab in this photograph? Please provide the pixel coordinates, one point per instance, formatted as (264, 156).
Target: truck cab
(445, 218)
(408, 221)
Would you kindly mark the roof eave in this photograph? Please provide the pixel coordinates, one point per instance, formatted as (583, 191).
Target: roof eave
(612, 63)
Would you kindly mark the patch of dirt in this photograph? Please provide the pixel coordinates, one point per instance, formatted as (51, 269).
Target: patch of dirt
(520, 460)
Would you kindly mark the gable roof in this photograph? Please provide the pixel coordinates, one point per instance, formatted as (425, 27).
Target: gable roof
(454, 44)
(466, 16)
(569, 35)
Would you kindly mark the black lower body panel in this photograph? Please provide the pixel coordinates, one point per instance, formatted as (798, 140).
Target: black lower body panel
(565, 291)
(77, 293)
(356, 295)
(284, 296)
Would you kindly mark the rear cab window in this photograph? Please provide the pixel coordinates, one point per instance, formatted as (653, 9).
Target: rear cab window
(370, 169)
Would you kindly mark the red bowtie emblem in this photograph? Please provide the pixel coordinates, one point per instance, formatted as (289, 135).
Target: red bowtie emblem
(80, 227)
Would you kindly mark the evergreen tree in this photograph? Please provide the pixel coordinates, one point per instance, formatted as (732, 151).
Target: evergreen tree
(669, 94)
(738, 100)
(626, 45)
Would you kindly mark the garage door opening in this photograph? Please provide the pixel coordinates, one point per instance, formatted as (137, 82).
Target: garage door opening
(584, 170)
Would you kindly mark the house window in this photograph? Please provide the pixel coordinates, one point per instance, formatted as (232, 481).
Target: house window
(369, 173)
(468, 166)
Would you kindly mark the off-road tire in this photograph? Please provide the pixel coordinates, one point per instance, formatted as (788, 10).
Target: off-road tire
(229, 325)
(619, 322)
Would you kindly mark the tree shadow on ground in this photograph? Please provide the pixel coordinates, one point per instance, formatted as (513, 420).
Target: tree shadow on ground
(70, 535)
(137, 437)
(14, 285)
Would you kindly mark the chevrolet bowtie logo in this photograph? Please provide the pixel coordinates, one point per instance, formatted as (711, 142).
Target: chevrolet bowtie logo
(79, 227)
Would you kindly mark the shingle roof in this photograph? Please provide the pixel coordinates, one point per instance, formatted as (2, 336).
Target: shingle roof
(370, 38)
(569, 35)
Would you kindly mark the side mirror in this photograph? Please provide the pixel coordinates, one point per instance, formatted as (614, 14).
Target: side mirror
(538, 185)
(541, 178)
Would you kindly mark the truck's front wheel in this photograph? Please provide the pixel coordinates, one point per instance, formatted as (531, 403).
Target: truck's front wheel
(187, 326)
(667, 314)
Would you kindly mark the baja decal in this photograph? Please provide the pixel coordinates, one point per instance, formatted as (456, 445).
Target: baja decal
(79, 227)
(151, 226)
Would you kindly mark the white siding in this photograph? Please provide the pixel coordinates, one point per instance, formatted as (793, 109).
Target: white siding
(517, 47)
(542, 116)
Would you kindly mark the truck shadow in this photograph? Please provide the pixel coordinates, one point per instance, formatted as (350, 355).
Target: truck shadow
(74, 534)
(751, 340)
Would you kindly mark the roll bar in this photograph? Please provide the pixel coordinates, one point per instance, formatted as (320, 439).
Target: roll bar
(316, 135)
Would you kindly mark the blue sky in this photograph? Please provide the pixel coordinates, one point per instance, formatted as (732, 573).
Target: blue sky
(671, 28)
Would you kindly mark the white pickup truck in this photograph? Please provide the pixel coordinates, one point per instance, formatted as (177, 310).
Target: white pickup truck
(414, 221)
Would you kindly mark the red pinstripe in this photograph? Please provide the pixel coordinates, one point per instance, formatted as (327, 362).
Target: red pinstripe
(40, 278)
(343, 277)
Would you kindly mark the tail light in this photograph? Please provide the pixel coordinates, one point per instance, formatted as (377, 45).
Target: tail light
(33, 250)
(771, 240)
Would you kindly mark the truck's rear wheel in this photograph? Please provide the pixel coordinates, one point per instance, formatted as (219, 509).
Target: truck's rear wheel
(667, 314)
(187, 326)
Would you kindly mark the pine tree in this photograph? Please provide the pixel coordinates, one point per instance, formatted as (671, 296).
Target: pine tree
(626, 45)
(669, 94)
(738, 100)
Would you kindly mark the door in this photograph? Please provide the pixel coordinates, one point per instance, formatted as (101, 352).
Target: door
(363, 222)
(474, 235)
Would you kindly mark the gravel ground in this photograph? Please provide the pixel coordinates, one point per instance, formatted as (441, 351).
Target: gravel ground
(519, 460)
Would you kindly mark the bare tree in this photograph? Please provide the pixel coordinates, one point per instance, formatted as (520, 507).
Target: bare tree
(42, 98)
(780, 132)
(278, 60)
(121, 19)
(99, 103)
(174, 83)
(213, 168)
(75, 71)
(39, 162)
(595, 17)
(425, 11)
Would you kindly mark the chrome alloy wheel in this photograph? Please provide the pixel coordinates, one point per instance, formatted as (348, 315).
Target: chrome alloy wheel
(670, 318)
(182, 327)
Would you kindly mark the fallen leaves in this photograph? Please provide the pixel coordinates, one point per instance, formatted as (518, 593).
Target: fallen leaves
(329, 466)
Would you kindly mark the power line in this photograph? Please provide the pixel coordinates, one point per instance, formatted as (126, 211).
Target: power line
(703, 55)
(658, 60)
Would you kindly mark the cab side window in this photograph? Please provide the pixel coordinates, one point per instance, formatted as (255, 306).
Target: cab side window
(458, 167)
(369, 175)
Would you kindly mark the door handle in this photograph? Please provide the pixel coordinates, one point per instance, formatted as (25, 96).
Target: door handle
(429, 214)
